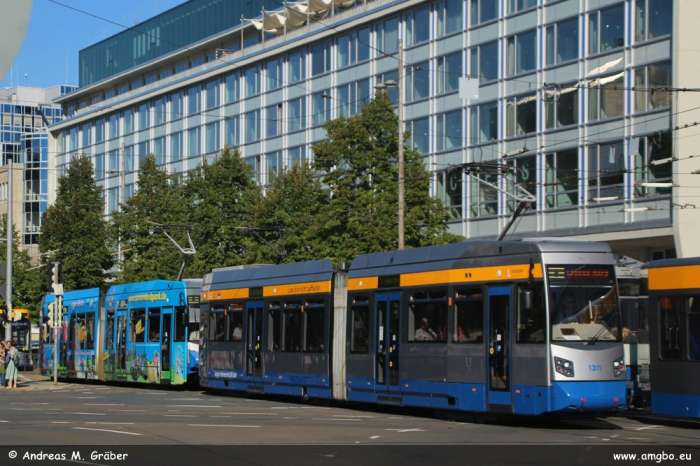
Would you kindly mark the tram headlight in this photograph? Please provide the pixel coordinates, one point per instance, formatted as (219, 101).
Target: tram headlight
(619, 367)
(564, 367)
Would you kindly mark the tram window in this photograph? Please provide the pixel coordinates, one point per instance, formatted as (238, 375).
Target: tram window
(235, 323)
(314, 317)
(532, 322)
(154, 324)
(90, 332)
(359, 327)
(109, 334)
(292, 327)
(427, 316)
(180, 333)
(670, 328)
(274, 326)
(469, 316)
(138, 325)
(694, 328)
(218, 325)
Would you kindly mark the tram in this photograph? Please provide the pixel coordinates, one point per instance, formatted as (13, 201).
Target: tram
(21, 334)
(136, 332)
(632, 284)
(527, 327)
(674, 317)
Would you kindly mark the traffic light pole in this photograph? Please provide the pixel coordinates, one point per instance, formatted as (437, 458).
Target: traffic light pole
(58, 309)
(8, 276)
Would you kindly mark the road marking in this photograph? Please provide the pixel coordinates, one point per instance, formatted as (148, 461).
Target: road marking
(5, 421)
(61, 422)
(407, 430)
(128, 410)
(111, 423)
(103, 404)
(107, 430)
(179, 415)
(38, 403)
(650, 427)
(54, 409)
(89, 414)
(290, 418)
(217, 425)
(85, 397)
(334, 419)
(228, 417)
(254, 414)
(193, 406)
(374, 437)
(346, 415)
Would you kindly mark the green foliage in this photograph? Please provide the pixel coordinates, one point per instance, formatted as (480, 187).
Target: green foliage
(219, 195)
(26, 282)
(291, 217)
(74, 231)
(359, 162)
(147, 253)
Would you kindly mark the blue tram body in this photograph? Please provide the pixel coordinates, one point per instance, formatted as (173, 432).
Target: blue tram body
(136, 332)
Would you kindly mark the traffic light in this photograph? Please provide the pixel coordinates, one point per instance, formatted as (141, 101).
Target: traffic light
(55, 274)
(3, 314)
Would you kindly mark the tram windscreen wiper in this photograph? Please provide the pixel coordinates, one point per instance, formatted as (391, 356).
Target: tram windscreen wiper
(600, 332)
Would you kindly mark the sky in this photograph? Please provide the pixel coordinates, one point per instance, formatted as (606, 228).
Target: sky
(57, 33)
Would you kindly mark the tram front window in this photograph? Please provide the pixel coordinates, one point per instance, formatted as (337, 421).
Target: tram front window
(583, 304)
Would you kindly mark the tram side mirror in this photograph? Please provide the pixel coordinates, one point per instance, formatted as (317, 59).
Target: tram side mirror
(526, 300)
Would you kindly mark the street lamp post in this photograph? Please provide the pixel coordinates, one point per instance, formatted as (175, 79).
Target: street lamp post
(399, 87)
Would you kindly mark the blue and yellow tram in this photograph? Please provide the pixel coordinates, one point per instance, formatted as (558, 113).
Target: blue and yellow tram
(137, 332)
(510, 327)
(674, 320)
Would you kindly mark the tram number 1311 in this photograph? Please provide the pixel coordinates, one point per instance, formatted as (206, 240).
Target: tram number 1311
(594, 367)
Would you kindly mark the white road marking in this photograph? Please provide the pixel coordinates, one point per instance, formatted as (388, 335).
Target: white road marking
(254, 414)
(89, 414)
(5, 421)
(374, 437)
(179, 415)
(334, 419)
(54, 409)
(346, 415)
(228, 417)
(103, 404)
(128, 410)
(38, 403)
(217, 425)
(407, 430)
(111, 423)
(61, 422)
(85, 397)
(193, 406)
(290, 418)
(650, 427)
(106, 430)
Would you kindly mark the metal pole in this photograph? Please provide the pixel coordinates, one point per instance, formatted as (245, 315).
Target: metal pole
(242, 24)
(10, 234)
(401, 167)
(122, 197)
(58, 309)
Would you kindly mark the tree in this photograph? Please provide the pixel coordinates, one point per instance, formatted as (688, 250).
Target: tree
(74, 230)
(26, 277)
(291, 217)
(139, 224)
(359, 162)
(219, 195)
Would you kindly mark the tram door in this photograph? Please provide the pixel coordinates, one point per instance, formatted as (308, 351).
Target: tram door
(499, 390)
(254, 320)
(387, 357)
(166, 338)
(121, 351)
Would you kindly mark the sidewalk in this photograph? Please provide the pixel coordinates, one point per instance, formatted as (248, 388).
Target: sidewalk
(35, 381)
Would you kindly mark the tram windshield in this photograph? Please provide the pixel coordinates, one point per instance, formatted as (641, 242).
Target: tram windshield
(583, 303)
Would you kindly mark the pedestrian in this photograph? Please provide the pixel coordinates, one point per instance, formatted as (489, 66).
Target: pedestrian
(2, 363)
(11, 370)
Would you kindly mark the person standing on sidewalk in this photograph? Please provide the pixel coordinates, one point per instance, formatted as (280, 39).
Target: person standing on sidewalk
(11, 371)
(2, 363)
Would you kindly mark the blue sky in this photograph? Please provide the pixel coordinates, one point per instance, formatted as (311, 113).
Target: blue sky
(49, 54)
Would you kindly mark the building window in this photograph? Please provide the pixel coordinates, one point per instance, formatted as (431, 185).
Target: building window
(273, 164)
(449, 70)
(606, 96)
(176, 106)
(561, 179)
(522, 53)
(390, 35)
(212, 96)
(159, 111)
(562, 41)
(483, 10)
(193, 102)
(273, 74)
(143, 116)
(483, 196)
(449, 131)
(193, 142)
(86, 133)
(128, 121)
(420, 134)
(392, 91)
(521, 115)
(297, 66)
(252, 126)
(273, 120)
(211, 142)
(129, 158)
(99, 167)
(296, 155)
(176, 146)
(522, 177)
(606, 29)
(231, 128)
(113, 160)
(112, 200)
(561, 106)
(653, 82)
(320, 58)
(351, 96)
(449, 191)
(321, 107)
(449, 16)
(99, 130)
(652, 163)
(418, 26)
(483, 123)
(484, 62)
(606, 171)
(417, 81)
(114, 126)
(252, 81)
(159, 150)
(353, 47)
(143, 152)
(519, 5)
(652, 18)
(231, 88)
(297, 114)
